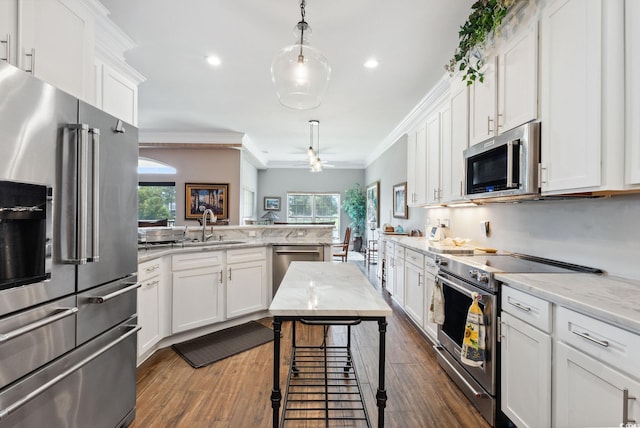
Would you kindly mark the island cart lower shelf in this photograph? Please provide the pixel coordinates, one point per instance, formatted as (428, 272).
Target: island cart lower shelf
(323, 385)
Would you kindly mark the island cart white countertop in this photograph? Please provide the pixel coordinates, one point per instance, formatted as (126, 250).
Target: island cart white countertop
(329, 294)
(327, 289)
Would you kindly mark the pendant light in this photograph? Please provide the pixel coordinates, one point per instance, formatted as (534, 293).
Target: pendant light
(314, 162)
(300, 72)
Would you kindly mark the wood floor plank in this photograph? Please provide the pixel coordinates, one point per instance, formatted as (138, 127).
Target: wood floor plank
(235, 392)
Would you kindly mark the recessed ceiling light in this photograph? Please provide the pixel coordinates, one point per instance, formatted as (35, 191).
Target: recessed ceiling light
(371, 63)
(214, 60)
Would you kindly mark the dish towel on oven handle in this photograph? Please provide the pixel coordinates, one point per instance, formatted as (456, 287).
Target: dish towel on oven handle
(473, 344)
(436, 306)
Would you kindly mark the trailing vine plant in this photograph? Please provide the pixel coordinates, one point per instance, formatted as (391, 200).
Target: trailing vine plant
(485, 18)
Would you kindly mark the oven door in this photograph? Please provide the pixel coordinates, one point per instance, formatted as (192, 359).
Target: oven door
(457, 300)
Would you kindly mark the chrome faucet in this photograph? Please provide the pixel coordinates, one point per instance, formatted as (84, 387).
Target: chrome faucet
(204, 223)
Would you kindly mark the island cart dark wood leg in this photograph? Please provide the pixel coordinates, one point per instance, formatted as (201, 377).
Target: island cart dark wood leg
(276, 395)
(381, 396)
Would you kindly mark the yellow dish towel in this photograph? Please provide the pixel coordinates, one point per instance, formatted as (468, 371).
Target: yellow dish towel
(436, 306)
(473, 344)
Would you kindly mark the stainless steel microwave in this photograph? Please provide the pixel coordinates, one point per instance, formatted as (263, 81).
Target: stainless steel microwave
(505, 166)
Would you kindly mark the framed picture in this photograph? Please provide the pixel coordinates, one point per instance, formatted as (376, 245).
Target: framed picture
(373, 205)
(272, 203)
(200, 197)
(400, 209)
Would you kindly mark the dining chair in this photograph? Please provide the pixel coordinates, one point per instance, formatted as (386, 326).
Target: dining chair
(342, 250)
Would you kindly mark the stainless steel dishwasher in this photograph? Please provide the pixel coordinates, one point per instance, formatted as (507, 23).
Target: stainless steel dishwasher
(283, 255)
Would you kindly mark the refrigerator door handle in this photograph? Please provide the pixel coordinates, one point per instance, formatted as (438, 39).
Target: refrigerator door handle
(95, 196)
(82, 130)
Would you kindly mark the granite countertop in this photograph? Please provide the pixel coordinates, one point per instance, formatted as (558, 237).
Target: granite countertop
(608, 298)
(315, 289)
(428, 247)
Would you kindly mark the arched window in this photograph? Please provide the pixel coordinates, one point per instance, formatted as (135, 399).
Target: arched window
(152, 166)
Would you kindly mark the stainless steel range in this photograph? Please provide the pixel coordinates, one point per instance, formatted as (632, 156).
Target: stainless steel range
(460, 276)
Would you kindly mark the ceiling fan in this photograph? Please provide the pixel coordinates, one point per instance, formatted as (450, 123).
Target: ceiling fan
(315, 163)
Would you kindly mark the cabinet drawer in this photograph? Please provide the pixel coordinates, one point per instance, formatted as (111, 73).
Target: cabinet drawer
(246, 255)
(414, 257)
(613, 345)
(150, 269)
(197, 260)
(528, 308)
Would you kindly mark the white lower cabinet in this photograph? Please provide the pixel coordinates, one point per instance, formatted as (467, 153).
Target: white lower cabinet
(525, 373)
(589, 393)
(594, 380)
(198, 290)
(525, 353)
(414, 292)
(247, 281)
(151, 278)
(398, 275)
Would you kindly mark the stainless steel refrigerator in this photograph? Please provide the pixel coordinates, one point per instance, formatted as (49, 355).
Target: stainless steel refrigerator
(68, 259)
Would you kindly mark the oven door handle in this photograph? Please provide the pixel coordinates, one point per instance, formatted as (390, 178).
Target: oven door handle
(65, 312)
(476, 393)
(42, 388)
(460, 288)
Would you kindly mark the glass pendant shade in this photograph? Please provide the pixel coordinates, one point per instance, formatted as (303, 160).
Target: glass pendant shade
(300, 74)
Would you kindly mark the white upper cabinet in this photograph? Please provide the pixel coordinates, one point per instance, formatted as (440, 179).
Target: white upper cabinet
(518, 75)
(508, 96)
(433, 157)
(457, 135)
(416, 156)
(582, 96)
(483, 104)
(632, 92)
(57, 44)
(8, 30)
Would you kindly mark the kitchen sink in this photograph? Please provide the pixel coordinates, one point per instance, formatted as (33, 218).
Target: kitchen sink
(210, 243)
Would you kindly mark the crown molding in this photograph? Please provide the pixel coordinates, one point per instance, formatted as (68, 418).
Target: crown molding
(412, 120)
(184, 137)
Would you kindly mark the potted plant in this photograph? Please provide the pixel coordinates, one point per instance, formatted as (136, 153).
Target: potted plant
(483, 22)
(355, 205)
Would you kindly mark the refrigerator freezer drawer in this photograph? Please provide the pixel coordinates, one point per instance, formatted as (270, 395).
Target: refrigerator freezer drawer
(93, 386)
(103, 307)
(32, 338)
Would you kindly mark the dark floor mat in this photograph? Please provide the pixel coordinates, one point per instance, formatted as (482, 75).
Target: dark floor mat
(213, 347)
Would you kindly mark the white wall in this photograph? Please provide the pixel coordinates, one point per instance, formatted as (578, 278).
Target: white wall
(602, 233)
(279, 181)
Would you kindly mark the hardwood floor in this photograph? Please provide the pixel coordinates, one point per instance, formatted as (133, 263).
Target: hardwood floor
(235, 392)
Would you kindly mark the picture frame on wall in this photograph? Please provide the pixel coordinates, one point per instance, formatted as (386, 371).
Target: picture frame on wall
(400, 208)
(373, 205)
(272, 203)
(202, 196)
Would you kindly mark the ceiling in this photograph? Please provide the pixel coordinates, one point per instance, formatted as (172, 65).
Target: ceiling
(183, 95)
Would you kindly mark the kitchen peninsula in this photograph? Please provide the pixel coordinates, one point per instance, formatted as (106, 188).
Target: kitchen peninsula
(191, 288)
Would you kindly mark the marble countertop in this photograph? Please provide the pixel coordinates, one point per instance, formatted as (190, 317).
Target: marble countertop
(608, 298)
(428, 247)
(327, 289)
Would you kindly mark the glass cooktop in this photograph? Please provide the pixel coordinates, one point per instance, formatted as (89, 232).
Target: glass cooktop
(520, 263)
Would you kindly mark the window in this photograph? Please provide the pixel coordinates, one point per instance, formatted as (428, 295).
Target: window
(157, 201)
(314, 208)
